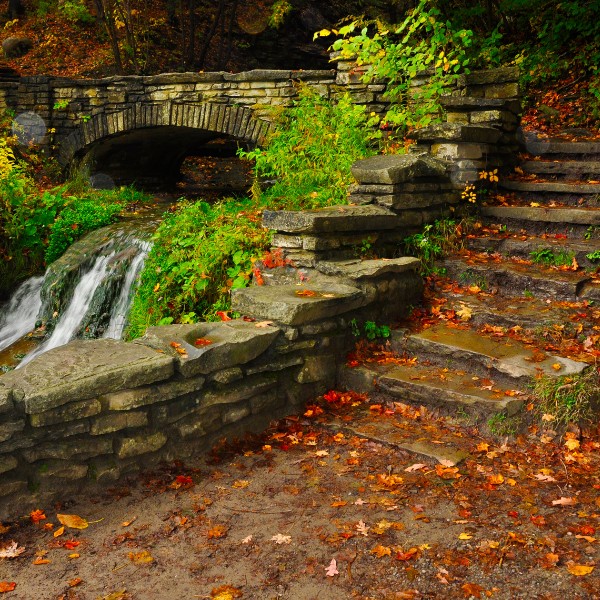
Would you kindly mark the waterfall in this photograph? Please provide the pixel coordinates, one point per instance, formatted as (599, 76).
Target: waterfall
(69, 323)
(118, 317)
(19, 316)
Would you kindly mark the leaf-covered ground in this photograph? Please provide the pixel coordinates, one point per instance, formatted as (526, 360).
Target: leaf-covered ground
(324, 506)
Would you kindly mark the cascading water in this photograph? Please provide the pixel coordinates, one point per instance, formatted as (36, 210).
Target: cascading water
(19, 316)
(118, 317)
(85, 293)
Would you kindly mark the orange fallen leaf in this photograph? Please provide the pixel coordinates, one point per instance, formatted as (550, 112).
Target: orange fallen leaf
(202, 342)
(225, 592)
(218, 531)
(305, 293)
(472, 590)
(7, 586)
(241, 483)
(557, 366)
(37, 515)
(572, 444)
(380, 551)
(338, 503)
(41, 561)
(59, 531)
(580, 570)
(75, 582)
(128, 523)
(72, 521)
(71, 544)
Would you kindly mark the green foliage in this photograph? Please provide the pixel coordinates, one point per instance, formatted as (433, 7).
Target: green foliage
(502, 425)
(593, 256)
(200, 253)
(279, 11)
(61, 104)
(435, 241)
(77, 219)
(75, 11)
(310, 153)
(549, 257)
(569, 399)
(422, 44)
(370, 330)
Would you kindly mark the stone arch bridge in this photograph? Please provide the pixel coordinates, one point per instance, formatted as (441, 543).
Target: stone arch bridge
(141, 128)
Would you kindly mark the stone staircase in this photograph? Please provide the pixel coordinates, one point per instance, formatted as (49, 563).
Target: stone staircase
(499, 319)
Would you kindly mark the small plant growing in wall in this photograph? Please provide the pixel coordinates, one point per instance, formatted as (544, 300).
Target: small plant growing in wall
(370, 330)
(61, 104)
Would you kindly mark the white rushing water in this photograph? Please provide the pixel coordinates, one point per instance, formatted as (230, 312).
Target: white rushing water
(118, 317)
(18, 317)
(67, 326)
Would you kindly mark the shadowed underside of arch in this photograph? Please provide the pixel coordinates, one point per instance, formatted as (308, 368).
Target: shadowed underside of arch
(236, 121)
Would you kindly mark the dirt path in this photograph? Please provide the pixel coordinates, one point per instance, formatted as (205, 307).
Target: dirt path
(307, 512)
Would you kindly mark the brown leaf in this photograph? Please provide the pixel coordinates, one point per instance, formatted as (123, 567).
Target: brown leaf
(380, 551)
(472, 590)
(218, 531)
(11, 550)
(564, 501)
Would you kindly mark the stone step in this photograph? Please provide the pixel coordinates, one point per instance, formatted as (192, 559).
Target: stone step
(552, 188)
(504, 360)
(573, 222)
(541, 147)
(539, 318)
(509, 278)
(449, 391)
(582, 170)
(515, 245)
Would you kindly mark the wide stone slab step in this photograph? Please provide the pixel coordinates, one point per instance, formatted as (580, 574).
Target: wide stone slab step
(448, 390)
(295, 305)
(204, 348)
(454, 132)
(581, 170)
(551, 187)
(525, 248)
(511, 279)
(504, 360)
(85, 369)
(543, 216)
(333, 219)
(394, 169)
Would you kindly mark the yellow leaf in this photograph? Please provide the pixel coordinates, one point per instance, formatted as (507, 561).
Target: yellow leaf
(74, 555)
(59, 531)
(557, 366)
(496, 479)
(156, 288)
(534, 204)
(72, 521)
(572, 444)
(579, 570)
(464, 536)
(140, 558)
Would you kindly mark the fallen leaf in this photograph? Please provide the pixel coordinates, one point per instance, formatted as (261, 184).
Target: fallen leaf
(415, 467)
(557, 366)
(59, 531)
(140, 558)
(572, 444)
(218, 531)
(580, 570)
(362, 528)
(380, 551)
(472, 590)
(465, 536)
(128, 523)
(71, 544)
(37, 515)
(247, 540)
(240, 484)
(587, 538)
(282, 539)
(548, 417)
(446, 462)
(120, 595)
(199, 342)
(40, 561)
(225, 592)
(72, 521)
(331, 570)
(11, 550)
(564, 501)
(305, 293)
(263, 324)
(74, 555)
(7, 586)
(75, 582)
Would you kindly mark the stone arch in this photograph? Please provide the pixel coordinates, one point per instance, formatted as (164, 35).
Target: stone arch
(238, 122)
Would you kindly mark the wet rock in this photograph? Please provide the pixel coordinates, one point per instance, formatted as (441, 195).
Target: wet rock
(15, 47)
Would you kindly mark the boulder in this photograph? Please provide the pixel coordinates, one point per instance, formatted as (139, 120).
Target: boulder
(15, 47)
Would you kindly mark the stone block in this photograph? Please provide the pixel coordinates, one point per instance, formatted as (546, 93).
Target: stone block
(235, 413)
(68, 412)
(7, 463)
(279, 241)
(239, 391)
(117, 422)
(140, 444)
(227, 376)
(275, 364)
(232, 343)
(84, 369)
(104, 470)
(396, 168)
(317, 369)
(267, 402)
(12, 486)
(454, 132)
(143, 396)
(6, 395)
(79, 449)
(62, 469)
(284, 304)
(9, 428)
(356, 269)
(205, 422)
(490, 76)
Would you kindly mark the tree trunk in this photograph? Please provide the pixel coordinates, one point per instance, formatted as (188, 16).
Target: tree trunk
(15, 9)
